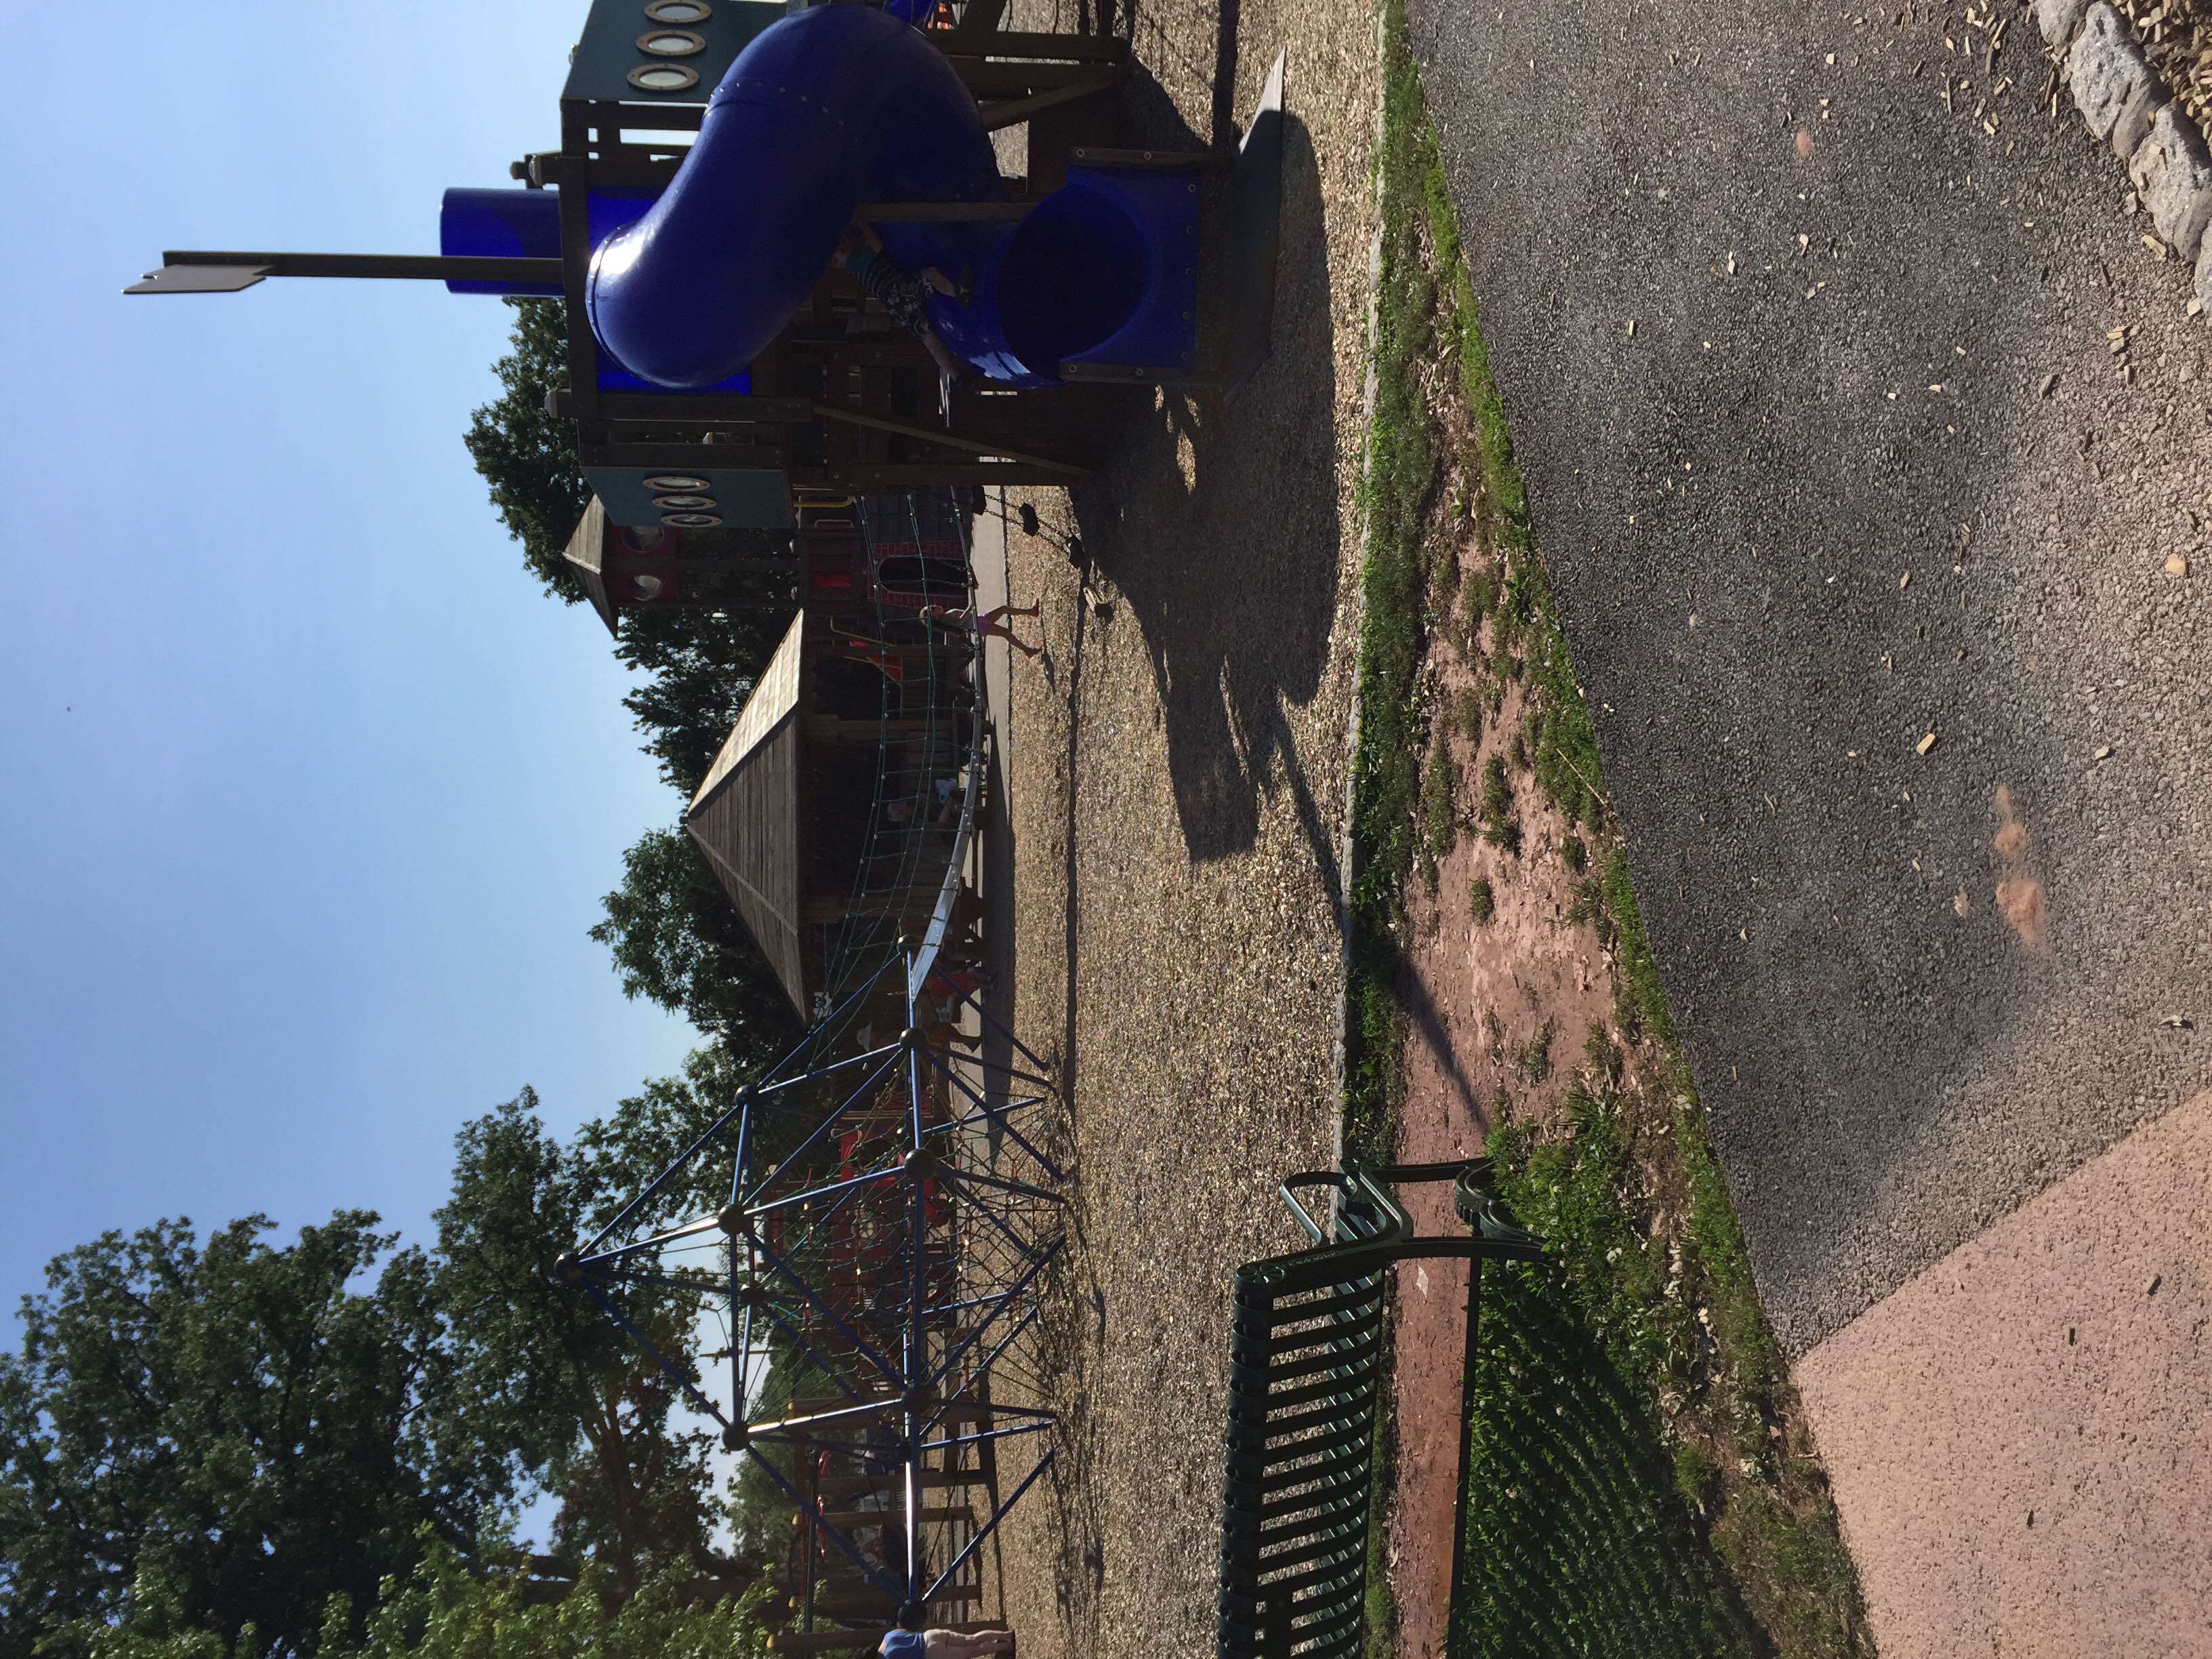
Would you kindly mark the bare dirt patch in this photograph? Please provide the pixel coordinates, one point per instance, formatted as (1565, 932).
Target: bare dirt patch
(1502, 984)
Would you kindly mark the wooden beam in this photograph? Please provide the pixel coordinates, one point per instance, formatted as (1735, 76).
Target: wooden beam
(939, 213)
(674, 457)
(576, 266)
(715, 409)
(414, 267)
(948, 439)
(862, 478)
(1015, 111)
(988, 78)
(1021, 42)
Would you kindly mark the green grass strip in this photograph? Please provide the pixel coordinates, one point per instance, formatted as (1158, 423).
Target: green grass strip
(1386, 765)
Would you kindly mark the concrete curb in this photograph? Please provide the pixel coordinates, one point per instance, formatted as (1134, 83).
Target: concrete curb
(2125, 104)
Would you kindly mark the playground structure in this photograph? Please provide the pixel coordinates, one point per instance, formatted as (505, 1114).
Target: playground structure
(875, 1273)
(723, 372)
(880, 1208)
(871, 1225)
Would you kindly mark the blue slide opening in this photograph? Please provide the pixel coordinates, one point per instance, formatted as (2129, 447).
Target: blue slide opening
(1074, 272)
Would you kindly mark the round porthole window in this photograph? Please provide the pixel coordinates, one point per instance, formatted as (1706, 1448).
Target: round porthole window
(677, 481)
(684, 503)
(671, 43)
(690, 520)
(646, 586)
(663, 77)
(643, 539)
(679, 11)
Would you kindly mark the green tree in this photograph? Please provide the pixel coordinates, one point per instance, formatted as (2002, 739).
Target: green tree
(251, 1429)
(444, 1609)
(526, 454)
(542, 1370)
(678, 941)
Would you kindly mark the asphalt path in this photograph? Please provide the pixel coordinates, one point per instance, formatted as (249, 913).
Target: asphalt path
(1775, 328)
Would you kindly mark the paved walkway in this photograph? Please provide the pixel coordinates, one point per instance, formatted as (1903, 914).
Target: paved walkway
(1812, 382)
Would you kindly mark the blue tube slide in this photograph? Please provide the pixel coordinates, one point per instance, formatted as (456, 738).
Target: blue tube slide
(831, 107)
(827, 108)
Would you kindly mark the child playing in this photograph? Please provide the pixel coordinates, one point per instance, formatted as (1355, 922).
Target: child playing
(945, 1644)
(991, 624)
(899, 292)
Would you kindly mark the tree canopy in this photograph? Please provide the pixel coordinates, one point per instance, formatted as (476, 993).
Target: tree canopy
(256, 1428)
(678, 941)
(441, 1609)
(217, 1441)
(526, 454)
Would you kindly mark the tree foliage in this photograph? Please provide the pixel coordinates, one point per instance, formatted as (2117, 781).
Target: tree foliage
(256, 1428)
(526, 454)
(542, 1372)
(444, 1609)
(696, 670)
(208, 1445)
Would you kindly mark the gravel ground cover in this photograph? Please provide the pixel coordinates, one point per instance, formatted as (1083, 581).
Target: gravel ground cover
(1175, 785)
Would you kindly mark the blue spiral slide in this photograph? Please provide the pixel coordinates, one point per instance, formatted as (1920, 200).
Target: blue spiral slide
(827, 109)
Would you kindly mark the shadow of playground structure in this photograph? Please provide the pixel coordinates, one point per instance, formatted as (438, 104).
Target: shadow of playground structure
(1218, 525)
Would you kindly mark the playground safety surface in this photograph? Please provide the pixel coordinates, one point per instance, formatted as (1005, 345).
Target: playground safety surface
(1175, 781)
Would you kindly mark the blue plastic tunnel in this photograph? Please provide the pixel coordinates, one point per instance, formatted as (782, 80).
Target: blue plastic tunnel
(831, 107)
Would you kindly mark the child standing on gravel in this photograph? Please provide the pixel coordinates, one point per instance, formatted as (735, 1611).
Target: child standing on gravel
(987, 625)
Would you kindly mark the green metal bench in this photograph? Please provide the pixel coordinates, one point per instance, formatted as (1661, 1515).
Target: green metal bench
(1307, 1370)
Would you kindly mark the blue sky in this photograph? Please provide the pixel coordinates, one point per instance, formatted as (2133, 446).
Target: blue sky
(307, 792)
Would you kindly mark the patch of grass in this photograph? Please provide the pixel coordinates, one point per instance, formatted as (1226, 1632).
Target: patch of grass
(1439, 811)
(1481, 902)
(1643, 997)
(1504, 495)
(1574, 855)
(1580, 1538)
(1444, 565)
(1695, 1474)
(1806, 1593)
(1715, 1247)
(1535, 1063)
(1396, 487)
(1478, 598)
(1603, 1058)
(1375, 1038)
(1500, 826)
(1470, 712)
